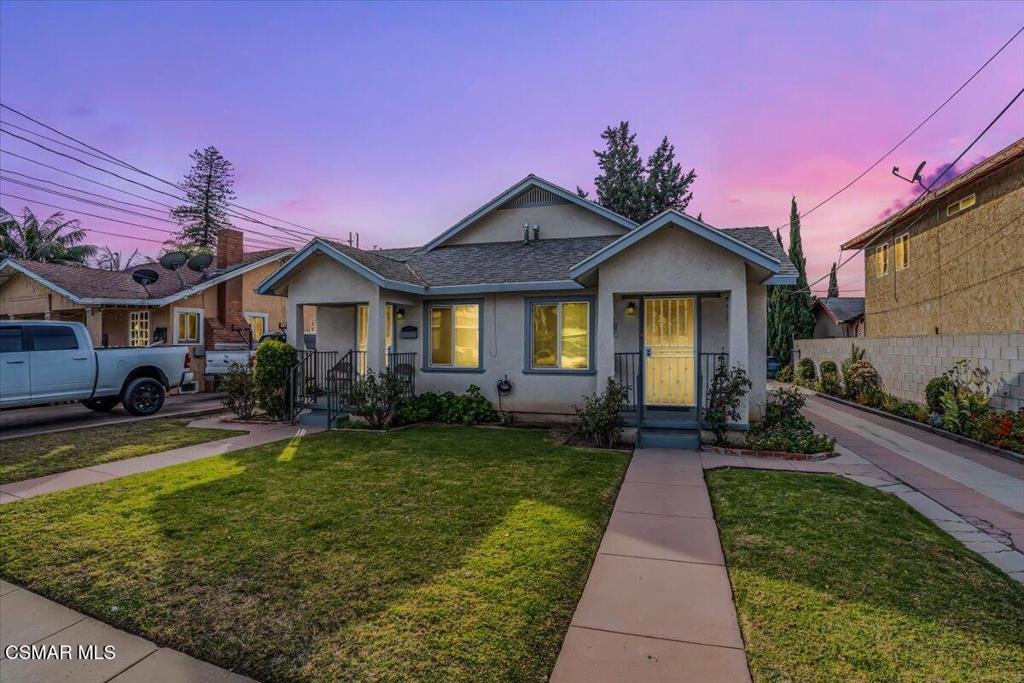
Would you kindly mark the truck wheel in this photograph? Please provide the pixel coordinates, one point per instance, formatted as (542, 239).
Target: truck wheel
(102, 405)
(143, 396)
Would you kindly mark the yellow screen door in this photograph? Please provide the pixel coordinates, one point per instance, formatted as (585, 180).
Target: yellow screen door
(669, 368)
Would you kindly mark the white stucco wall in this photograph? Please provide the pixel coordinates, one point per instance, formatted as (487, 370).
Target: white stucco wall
(555, 220)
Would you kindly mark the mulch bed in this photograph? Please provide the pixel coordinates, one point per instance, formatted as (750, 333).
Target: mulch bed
(769, 454)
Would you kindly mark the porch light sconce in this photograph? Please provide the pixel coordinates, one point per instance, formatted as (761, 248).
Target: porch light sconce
(631, 309)
(400, 314)
(283, 325)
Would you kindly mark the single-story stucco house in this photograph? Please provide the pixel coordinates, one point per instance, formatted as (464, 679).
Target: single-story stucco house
(553, 295)
(838, 316)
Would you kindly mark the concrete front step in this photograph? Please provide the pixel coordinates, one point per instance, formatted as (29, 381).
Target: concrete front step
(668, 437)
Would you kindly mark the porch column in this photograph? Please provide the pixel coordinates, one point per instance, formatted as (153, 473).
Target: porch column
(604, 335)
(294, 332)
(375, 332)
(738, 343)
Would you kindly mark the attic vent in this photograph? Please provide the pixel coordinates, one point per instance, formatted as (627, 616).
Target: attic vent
(535, 196)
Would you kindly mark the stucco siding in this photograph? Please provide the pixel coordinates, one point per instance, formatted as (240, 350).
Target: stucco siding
(555, 220)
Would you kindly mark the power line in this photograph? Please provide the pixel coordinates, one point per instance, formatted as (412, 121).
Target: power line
(53, 140)
(311, 232)
(80, 190)
(923, 194)
(911, 133)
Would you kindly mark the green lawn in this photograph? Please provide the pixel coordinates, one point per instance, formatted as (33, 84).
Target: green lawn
(835, 581)
(36, 456)
(438, 553)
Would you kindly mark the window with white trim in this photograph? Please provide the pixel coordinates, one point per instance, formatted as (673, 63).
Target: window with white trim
(454, 335)
(138, 328)
(188, 326)
(901, 252)
(882, 260)
(962, 205)
(257, 324)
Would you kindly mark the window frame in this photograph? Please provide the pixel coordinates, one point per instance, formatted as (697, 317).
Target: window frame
(428, 307)
(905, 239)
(528, 305)
(149, 328)
(959, 206)
(177, 340)
(257, 314)
(884, 249)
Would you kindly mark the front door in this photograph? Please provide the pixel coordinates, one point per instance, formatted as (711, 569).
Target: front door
(670, 372)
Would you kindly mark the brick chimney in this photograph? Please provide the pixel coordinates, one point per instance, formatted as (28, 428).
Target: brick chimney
(229, 293)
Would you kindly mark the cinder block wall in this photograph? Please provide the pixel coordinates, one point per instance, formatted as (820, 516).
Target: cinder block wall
(905, 364)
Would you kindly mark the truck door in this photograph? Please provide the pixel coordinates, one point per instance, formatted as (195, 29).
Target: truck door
(14, 366)
(63, 367)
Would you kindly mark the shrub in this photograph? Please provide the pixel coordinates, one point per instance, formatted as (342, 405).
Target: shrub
(861, 382)
(805, 372)
(239, 390)
(828, 366)
(966, 396)
(909, 410)
(1001, 428)
(274, 359)
(829, 383)
(468, 408)
(728, 387)
(785, 429)
(934, 390)
(785, 374)
(856, 354)
(375, 397)
(600, 418)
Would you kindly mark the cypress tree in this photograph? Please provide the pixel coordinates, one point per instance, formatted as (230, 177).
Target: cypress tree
(833, 283)
(801, 302)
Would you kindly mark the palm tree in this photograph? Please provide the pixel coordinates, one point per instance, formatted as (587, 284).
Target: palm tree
(108, 259)
(55, 240)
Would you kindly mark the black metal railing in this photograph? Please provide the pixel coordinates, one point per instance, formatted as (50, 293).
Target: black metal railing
(628, 373)
(403, 365)
(307, 379)
(341, 382)
(709, 362)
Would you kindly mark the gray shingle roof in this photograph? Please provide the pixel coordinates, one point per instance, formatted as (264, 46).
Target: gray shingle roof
(504, 262)
(762, 238)
(843, 308)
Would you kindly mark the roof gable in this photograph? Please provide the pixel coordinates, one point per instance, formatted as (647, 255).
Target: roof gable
(680, 220)
(533, 191)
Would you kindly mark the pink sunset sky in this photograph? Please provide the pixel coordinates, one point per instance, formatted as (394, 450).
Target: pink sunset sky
(397, 120)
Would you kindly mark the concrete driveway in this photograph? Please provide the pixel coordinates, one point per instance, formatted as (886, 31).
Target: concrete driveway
(45, 419)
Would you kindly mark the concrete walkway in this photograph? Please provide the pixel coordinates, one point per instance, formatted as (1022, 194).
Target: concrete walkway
(27, 619)
(256, 435)
(658, 604)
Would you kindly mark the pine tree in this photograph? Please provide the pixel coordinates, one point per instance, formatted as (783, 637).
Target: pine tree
(667, 187)
(833, 283)
(208, 193)
(801, 302)
(631, 188)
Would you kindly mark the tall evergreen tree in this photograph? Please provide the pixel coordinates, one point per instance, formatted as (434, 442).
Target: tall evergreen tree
(632, 188)
(803, 318)
(208, 193)
(833, 282)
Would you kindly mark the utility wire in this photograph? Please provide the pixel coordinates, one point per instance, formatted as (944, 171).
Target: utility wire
(910, 134)
(311, 232)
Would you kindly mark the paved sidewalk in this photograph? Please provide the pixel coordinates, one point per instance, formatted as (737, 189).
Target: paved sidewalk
(658, 604)
(28, 619)
(256, 434)
(20, 422)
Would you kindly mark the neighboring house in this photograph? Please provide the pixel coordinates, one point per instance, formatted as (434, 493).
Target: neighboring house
(184, 307)
(552, 293)
(838, 316)
(943, 280)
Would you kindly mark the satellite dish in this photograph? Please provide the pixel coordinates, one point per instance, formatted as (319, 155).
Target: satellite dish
(917, 173)
(173, 260)
(145, 276)
(200, 262)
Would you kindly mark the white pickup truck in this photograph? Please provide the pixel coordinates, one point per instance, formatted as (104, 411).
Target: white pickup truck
(46, 361)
